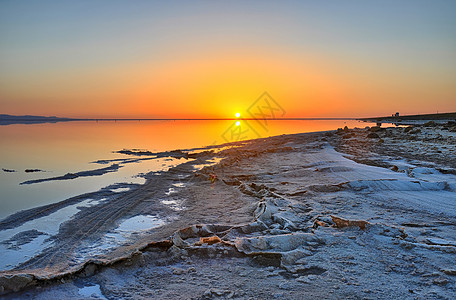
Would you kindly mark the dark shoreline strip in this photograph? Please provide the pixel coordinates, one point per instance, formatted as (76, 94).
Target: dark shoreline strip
(425, 117)
(67, 176)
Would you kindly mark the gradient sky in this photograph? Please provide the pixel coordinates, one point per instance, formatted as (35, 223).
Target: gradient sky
(214, 58)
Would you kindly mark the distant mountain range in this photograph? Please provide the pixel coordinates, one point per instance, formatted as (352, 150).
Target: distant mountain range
(10, 119)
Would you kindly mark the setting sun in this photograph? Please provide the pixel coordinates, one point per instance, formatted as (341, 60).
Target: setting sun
(237, 115)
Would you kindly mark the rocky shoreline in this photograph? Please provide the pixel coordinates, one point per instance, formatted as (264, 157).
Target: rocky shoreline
(439, 118)
(354, 213)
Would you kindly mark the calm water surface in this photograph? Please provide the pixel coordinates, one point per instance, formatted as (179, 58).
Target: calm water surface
(70, 147)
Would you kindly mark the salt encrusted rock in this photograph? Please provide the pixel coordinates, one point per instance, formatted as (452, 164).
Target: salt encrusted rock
(15, 282)
(373, 135)
(208, 240)
(341, 223)
(89, 270)
(408, 129)
(307, 279)
(277, 243)
(430, 124)
(375, 129)
(211, 293)
(440, 281)
(179, 271)
(451, 272)
(177, 252)
(295, 257)
(285, 285)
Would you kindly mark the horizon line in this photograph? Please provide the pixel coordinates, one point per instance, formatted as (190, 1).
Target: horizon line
(207, 119)
(36, 117)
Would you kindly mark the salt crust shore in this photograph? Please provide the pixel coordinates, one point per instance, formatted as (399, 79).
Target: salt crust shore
(352, 214)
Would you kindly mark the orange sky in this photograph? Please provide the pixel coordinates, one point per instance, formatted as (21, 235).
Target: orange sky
(216, 60)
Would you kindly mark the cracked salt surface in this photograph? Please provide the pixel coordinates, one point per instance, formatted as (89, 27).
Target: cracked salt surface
(211, 163)
(416, 187)
(413, 179)
(119, 236)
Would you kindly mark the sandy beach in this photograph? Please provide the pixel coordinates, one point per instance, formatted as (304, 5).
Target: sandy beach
(366, 213)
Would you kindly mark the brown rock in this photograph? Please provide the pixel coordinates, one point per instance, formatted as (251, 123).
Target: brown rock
(373, 135)
(410, 128)
(210, 240)
(320, 223)
(342, 223)
(430, 124)
(440, 281)
(89, 270)
(16, 282)
(179, 271)
(451, 272)
(375, 129)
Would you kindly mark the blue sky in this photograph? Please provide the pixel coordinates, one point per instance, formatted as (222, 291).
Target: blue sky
(44, 41)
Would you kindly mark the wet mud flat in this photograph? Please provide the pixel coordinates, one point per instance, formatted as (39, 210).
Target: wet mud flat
(342, 214)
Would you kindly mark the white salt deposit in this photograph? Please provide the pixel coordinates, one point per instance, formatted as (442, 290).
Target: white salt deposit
(92, 291)
(119, 236)
(14, 253)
